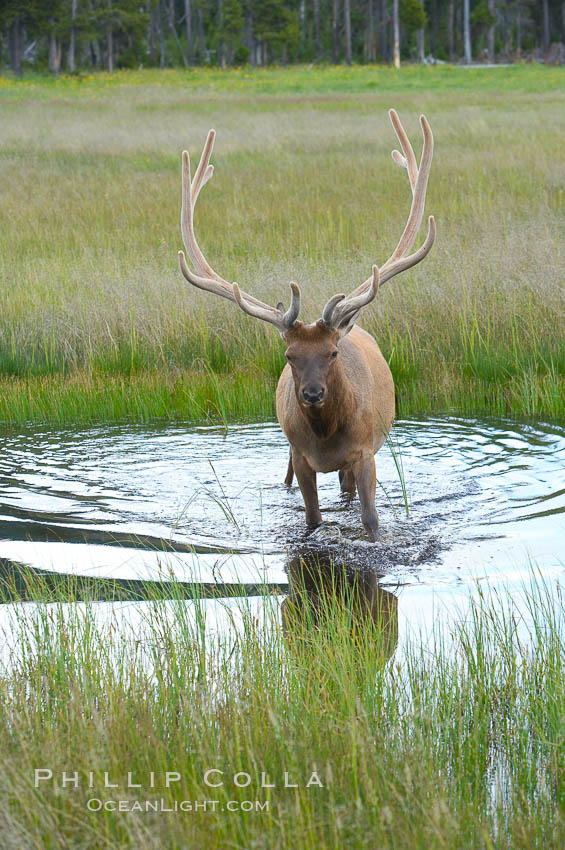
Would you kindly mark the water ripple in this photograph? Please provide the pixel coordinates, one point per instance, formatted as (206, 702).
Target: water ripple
(479, 492)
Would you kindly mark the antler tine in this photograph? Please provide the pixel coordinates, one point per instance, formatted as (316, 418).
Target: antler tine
(346, 310)
(408, 161)
(205, 277)
(190, 191)
(340, 310)
(218, 287)
(390, 269)
(418, 178)
(403, 263)
(283, 321)
(328, 310)
(418, 181)
(291, 315)
(204, 171)
(187, 220)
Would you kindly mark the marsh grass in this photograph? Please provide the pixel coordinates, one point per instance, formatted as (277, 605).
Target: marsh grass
(97, 322)
(457, 743)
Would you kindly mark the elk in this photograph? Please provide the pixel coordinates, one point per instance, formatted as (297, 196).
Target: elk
(335, 396)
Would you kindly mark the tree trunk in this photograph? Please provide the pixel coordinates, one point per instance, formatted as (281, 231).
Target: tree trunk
(151, 32)
(371, 56)
(72, 62)
(221, 53)
(201, 36)
(433, 36)
(467, 31)
(250, 41)
(546, 33)
(15, 46)
(174, 33)
(396, 34)
(110, 42)
(161, 36)
(347, 15)
(563, 21)
(110, 50)
(518, 35)
(490, 33)
(451, 30)
(54, 51)
(384, 27)
(318, 40)
(188, 27)
(171, 17)
(302, 19)
(421, 46)
(335, 32)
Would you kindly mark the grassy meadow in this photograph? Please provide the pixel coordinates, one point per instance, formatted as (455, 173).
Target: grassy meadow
(97, 322)
(455, 740)
(457, 743)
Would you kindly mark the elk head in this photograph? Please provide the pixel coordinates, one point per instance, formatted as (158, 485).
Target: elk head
(312, 350)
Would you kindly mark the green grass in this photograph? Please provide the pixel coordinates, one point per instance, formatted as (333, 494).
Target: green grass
(453, 744)
(296, 79)
(98, 324)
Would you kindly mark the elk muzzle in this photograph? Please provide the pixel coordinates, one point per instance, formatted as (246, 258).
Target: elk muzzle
(313, 394)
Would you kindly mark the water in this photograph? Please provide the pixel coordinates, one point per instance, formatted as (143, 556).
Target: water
(486, 500)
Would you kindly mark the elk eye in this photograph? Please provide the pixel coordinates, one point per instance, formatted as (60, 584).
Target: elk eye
(333, 355)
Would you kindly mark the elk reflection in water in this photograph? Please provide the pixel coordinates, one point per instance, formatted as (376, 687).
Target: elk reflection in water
(332, 598)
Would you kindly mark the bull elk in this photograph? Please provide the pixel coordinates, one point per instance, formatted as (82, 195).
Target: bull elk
(335, 396)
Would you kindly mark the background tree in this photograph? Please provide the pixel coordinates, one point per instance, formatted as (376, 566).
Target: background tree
(71, 35)
(467, 31)
(231, 30)
(413, 20)
(490, 31)
(347, 20)
(335, 31)
(396, 33)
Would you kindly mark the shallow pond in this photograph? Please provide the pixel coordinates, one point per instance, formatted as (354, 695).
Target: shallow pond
(460, 501)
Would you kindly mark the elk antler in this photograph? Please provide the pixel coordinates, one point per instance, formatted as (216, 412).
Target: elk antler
(340, 310)
(206, 278)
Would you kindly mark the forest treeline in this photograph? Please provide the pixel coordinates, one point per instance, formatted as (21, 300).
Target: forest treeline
(70, 35)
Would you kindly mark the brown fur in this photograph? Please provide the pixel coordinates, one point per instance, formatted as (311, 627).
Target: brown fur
(352, 423)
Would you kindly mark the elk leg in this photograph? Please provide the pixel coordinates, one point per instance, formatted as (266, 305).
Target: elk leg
(347, 481)
(289, 471)
(307, 482)
(366, 480)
